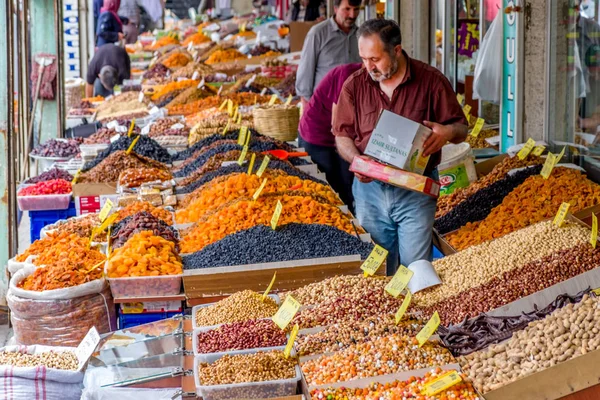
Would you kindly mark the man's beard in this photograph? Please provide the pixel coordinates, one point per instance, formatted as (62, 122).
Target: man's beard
(378, 76)
(349, 22)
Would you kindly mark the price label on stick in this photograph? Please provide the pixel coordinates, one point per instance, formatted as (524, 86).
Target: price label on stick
(286, 312)
(240, 160)
(538, 150)
(276, 215)
(226, 129)
(105, 210)
(273, 100)
(131, 126)
(559, 219)
(399, 281)
(260, 188)
(242, 135)
(478, 126)
(266, 293)
(290, 344)
(403, 307)
(594, 237)
(251, 166)
(460, 98)
(263, 166)
(235, 113)
(374, 261)
(248, 138)
(548, 165)
(560, 155)
(74, 181)
(289, 100)
(223, 105)
(108, 221)
(524, 152)
(429, 329)
(441, 383)
(467, 111)
(130, 149)
(230, 107)
(239, 119)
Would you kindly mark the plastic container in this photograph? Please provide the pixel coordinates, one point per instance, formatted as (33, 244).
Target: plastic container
(197, 331)
(145, 286)
(131, 320)
(457, 168)
(44, 202)
(41, 219)
(196, 308)
(45, 163)
(246, 390)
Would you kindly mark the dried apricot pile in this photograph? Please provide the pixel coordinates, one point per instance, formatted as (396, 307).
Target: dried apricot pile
(52, 239)
(205, 199)
(533, 201)
(176, 60)
(246, 213)
(145, 255)
(139, 206)
(60, 275)
(172, 87)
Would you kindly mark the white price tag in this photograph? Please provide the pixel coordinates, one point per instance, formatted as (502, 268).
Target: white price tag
(112, 124)
(201, 84)
(154, 110)
(251, 80)
(146, 130)
(141, 97)
(177, 126)
(190, 46)
(115, 138)
(121, 129)
(263, 92)
(196, 76)
(87, 346)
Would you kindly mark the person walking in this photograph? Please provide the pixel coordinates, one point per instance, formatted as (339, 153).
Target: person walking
(110, 27)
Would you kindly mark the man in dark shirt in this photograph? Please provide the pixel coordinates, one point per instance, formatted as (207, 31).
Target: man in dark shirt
(109, 67)
(399, 220)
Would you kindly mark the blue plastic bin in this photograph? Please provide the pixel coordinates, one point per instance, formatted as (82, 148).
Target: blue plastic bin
(40, 219)
(130, 320)
(437, 254)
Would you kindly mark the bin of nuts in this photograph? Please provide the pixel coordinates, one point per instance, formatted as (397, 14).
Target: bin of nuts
(241, 306)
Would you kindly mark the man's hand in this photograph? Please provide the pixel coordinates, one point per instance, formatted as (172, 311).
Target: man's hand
(440, 135)
(121, 36)
(362, 178)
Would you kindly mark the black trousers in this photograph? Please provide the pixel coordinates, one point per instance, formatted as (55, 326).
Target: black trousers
(335, 168)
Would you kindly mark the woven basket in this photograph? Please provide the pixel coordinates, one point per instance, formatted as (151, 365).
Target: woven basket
(279, 122)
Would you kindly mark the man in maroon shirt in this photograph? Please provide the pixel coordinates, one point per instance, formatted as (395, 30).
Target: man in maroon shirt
(316, 136)
(399, 220)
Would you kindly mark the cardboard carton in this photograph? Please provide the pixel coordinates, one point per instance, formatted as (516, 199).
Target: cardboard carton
(90, 197)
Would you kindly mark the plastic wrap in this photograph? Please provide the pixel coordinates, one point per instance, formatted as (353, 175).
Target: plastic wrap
(61, 322)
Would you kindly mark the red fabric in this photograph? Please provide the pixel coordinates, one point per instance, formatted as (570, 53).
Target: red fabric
(48, 85)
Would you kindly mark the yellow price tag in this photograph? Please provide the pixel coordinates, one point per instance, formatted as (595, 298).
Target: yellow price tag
(74, 181)
(132, 145)
(240, 160)
(478, 126)
(290, 344)
(429, 329)
(239, 119)
(263, 166)
(273, 99)
(441, 383)
(223, 104)
(559, 219)
(374, 261)
(524, 152)
(131, 127)
(560, 155)
(403, 306)
(548, 165)
(460, 98)
(255, 99)
(230, 107)
(108, 221)
(594, 237)
(235, 113)
(260, 188)
(286, 312)
(538, 150)
(399, 281)
(251, 166)
(596, 291)
(226, 129)
(105, 210)
(248, 138)
(467, 111)
(242, 135)
(95, 266)
(266, 293)
(288, 101)
(91, 238)
(243, 27)
(276, 215)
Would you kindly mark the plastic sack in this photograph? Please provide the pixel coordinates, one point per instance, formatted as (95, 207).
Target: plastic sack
(61, 322)
(487, 82)
(98, 393)
(85, 289)
(13, 265)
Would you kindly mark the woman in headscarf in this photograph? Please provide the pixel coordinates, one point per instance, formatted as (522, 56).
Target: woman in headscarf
(110, 27)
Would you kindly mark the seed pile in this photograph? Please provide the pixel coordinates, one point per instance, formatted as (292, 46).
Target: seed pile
(478, 206)
(243, 335)
(57, 148)
(51, 174)
(567, 333)
(66, 360)
(289, 242)
(145, 146)
(535, 200)
(240, 306)
(109, 168)
(142, 221)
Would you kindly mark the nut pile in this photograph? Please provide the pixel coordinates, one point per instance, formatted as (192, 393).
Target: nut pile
(446, 203)
(568, 332)
(109, 169)
(103, 135)
(381, 356)
(142, 221)
(65, 360)
(240, 368)
(489, 259)
(158, 70)
(145, 146)
(81, 226)
(288, 242)
(134, 177)
(240, 306)
(55, 186)
(515, 284)
(243, 335)
(351, 286)
(479, 142)
(51, 174)
(535, 200)
(57, 148)
(164, 127)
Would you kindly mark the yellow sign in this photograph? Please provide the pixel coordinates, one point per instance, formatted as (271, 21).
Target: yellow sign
(538, 150)
(374, 261)
(130, 149)
(273, 100)
(460, 98)
(289, 100)
(266, 293)
(478, 126)
(226, 127)
(594, 237)
(429, 329)
(230, 107)
(240, 160)
(260, 188)
(105, 210)
(276, 215)
(441, 383)
(251, 166)
(467, 111)
(248, 138)
(263, 166)
(559, 219)
(524, 152)
(242, 135)
(286, 312)
(223, 104)
(239, 119)
(74, 181)
(596, 291)
(235, 113)
(399, 281)
(560, 155)
(131, 128)
(108, 221)
(548, 165)
(290, 344)
(403, 307)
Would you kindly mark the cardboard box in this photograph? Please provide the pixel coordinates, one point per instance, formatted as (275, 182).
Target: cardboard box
(399, 141)
(394, 176)
(298, 32)
(90, 197)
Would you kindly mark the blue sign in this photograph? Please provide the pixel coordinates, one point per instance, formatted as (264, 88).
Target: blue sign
(509, 79)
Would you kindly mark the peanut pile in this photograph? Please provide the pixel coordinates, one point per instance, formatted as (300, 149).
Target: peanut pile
(66, 360)
(243, 335)
(350, 286)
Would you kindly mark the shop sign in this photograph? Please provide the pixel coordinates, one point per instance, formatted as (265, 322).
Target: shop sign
(468, 38)
(71, 39)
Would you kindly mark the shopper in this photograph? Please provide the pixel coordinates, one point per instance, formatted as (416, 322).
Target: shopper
(110, 27)
(399, 220)
(132, 10)
(316, 136)
(328, 44)
(306, 10)
(109, 67)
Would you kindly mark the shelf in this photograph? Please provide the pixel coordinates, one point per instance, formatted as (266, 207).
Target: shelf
(120, 300)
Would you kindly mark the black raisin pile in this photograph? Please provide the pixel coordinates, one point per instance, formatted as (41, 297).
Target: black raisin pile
(51, 174)
(57, 148)
(261, 244)
(479, 205)
(145, 146)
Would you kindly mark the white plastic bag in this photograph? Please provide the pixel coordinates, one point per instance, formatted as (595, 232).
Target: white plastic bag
(487, 83)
